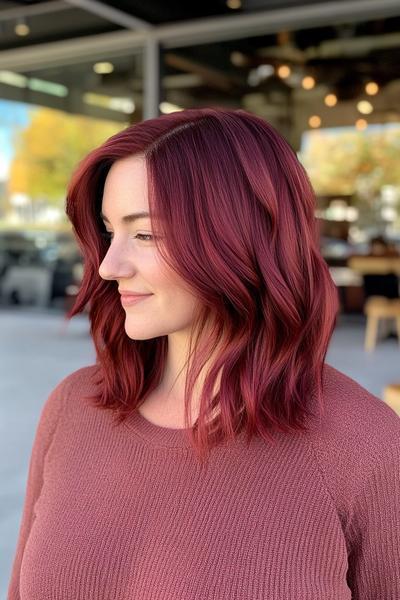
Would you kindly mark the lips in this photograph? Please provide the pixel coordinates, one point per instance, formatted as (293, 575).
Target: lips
(132, 299)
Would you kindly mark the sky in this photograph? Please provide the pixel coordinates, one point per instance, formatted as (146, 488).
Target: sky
(13, 116)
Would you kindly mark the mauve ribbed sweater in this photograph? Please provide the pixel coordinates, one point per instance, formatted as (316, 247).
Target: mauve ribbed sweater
(123, 512)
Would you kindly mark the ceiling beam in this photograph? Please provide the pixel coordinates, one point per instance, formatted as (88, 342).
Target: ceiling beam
(357, 46)
(198, 31)
(114, 15)
(35, 10)
(243, 25)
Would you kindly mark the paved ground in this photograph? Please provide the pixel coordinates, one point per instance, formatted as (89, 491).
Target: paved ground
(37, 350)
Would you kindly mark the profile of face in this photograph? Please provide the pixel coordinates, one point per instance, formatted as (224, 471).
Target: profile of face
(133, 261)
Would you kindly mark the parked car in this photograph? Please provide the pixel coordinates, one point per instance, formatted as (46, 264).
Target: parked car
(14, 247)
(37, 267)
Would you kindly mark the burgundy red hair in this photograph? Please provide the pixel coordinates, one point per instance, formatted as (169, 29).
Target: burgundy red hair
(237, 217)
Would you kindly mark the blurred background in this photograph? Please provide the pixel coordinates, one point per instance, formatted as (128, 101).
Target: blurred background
(74, 72)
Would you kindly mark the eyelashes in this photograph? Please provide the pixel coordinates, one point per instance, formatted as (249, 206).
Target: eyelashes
(107, 235)
(144, 235)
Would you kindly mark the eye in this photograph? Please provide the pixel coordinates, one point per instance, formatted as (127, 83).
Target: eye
(108, 235)
(144, 235)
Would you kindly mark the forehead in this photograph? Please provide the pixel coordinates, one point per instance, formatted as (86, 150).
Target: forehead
(125, 188)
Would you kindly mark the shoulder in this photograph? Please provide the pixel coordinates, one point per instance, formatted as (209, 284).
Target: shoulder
(56, 404)
(81, 381)
(355, 433)
(71, 389)
(354, 413)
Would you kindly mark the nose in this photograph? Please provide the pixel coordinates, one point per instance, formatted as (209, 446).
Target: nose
(116, 264)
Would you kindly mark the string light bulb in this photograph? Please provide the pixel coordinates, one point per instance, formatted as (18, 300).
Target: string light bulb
(284, 71)
(361, 124)
(238, 58)
(371, 88)
(308, 82)
(314, 121)
(365, 107)
(103, 67)
(21, 27)
(330, 100)
(234, 4)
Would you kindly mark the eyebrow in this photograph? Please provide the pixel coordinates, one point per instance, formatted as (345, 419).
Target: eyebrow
(128, 218)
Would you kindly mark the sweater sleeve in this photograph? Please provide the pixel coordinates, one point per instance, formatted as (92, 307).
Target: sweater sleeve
(44, 435)
(374, 532)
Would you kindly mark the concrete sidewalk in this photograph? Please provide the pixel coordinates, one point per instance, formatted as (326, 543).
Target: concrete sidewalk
(37, 350)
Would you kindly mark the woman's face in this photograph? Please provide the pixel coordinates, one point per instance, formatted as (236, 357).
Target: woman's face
(133, 261)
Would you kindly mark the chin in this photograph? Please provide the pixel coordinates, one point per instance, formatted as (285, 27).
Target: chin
(138, 333)
(136, 336)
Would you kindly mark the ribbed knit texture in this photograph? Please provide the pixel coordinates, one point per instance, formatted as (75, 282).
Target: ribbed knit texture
(125, 512)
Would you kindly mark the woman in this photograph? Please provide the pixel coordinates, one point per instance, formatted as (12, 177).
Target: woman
(210, 452)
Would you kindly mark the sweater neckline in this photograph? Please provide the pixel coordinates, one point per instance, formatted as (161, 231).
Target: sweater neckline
(157, 435)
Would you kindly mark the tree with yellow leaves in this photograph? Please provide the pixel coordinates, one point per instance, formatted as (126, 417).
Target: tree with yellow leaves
(48, 150)
(334, 159)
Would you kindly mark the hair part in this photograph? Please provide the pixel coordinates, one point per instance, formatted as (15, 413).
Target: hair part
(236, 214)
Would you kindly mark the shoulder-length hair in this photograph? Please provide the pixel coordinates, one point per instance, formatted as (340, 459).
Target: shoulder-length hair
(236, 213)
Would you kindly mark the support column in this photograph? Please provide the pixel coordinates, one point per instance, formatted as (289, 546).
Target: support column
(152, 78)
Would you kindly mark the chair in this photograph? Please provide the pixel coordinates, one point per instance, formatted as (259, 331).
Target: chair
(391, 395)
(381, 289)
(377, 308)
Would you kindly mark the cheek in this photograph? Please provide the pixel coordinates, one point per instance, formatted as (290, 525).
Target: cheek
(178, 300)
(175, 298)
(168, 280)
